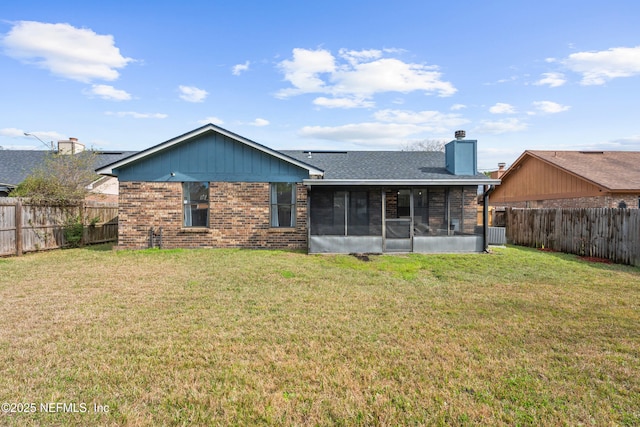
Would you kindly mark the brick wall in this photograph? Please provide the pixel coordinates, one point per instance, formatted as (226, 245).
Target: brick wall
(238, 217)
(463, 202)
(391, 203)
(470, 209)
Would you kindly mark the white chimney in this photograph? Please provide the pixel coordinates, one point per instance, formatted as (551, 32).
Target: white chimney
(70, 146)
(460, 135)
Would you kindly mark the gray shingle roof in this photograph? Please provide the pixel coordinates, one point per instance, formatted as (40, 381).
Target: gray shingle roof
(16, 165)
(388, 165)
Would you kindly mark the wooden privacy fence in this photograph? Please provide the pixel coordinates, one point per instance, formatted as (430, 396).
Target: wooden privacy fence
(597, 232)
(28, 227)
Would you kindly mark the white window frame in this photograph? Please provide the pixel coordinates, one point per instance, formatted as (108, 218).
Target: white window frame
(274, 218)
(188, 204)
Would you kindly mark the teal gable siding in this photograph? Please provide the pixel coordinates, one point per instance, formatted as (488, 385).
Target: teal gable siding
(211, 157)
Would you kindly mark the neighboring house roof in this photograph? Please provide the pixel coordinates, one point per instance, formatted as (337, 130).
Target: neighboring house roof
(347, 167)
(104, 158)
(108, 169)
(611, 170)
(16, 165)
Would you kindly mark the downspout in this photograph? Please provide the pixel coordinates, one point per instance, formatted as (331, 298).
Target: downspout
(308, 207)
(485, 218)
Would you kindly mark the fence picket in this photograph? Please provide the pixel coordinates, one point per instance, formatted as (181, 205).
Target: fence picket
(26, 227)
(610, 233)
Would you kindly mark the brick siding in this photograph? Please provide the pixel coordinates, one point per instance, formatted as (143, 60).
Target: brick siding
(470, 215)
(462, 200)
(239, 217)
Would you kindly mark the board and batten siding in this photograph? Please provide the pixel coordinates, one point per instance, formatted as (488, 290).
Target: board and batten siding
(211, 157)
(537, 180)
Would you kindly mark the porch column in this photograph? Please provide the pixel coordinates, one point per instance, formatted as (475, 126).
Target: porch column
(411, 205)
(384, 219)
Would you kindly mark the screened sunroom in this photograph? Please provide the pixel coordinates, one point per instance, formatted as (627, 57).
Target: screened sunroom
(372, 219)
(395, 201)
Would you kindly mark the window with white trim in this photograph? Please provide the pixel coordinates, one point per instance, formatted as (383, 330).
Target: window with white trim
(195, 197)
(283, 204)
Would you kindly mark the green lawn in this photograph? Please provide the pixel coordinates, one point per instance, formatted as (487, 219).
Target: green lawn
(216, 337)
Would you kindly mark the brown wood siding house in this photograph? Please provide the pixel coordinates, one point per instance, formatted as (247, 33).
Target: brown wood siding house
(571, 179)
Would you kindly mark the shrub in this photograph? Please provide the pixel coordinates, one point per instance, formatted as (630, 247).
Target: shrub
(73, 230)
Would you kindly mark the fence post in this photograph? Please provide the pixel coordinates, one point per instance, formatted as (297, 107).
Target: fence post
(18, 220)
(83, 240)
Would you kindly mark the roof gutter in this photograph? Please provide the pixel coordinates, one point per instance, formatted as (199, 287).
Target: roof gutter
(485, 217)
(400, 182)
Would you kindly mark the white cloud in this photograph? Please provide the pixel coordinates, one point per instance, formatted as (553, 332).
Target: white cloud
(357, 75)
(46, 137)
(506, 80)
(240, 68)
(211, 119)
(259, 122)
(631, 143)
(304, 69)
(599, 67)
(357, 56)
(192, 93)
(550, 107)
(456, 107)
(390, 75)
(432, 121)
(12, 132)
(109, 92)
(551, 79)
(501, 126)
(392, 128)
(74, 53)
(21, 147)
(136, 115)
(363, 133)
(502, 108)
(343, 102)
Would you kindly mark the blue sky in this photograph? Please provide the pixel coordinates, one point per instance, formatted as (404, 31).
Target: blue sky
(347, 75)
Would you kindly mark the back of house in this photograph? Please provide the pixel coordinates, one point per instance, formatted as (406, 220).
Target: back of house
(213, 188)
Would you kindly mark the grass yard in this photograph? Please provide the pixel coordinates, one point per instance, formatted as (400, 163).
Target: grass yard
(215, 337)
